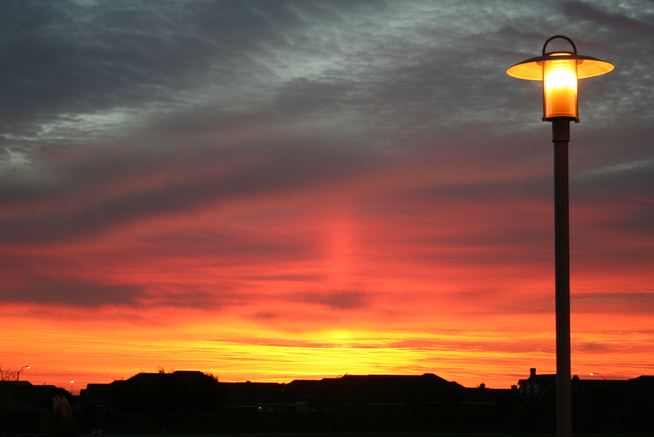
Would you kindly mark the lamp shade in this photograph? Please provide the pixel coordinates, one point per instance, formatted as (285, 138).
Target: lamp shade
(532, 68)
(559, 71)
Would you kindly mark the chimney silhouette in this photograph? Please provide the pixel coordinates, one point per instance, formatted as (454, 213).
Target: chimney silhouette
(532, 372)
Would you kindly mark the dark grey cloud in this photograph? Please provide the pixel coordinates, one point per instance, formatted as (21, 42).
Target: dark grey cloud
(634, 302)
(73, 292)
(123, 53)
(338, 300)
(602, 19)
(90, 294)
(289, 277)
(64, 57)
(233, 247)
(265, 315)
(593, 347)
(213, 176)
(593, 302)
(389, 72)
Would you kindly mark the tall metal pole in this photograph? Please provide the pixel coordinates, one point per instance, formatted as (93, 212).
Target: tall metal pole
(560, 138)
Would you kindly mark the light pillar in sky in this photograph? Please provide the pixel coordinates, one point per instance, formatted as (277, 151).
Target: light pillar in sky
(559, 72)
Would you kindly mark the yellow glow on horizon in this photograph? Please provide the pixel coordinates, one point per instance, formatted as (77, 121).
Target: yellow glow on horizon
(241, 353)
(496, 350)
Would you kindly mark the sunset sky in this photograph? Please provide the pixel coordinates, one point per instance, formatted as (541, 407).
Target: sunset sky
(272, 190)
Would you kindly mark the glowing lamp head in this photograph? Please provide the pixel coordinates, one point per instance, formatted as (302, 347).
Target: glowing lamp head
(559, 71)
(560, 87)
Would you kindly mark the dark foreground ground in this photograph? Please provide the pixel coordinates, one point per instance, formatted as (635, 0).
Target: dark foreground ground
(193, 404)
(369, 434)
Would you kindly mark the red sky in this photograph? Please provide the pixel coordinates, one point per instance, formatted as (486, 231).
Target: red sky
(339, 189)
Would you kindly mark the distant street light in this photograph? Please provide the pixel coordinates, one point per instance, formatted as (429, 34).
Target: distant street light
(20, 370)
(71, 386)
(560, 71)
(597, 374)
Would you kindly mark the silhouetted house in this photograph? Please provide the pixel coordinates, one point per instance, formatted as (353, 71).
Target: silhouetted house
(537, 402)
(487, 409)
(598, 405)
(249, 394)
(640, 393)
(614, 405)
(180, 400)
(179, 390)
(26, 408)
(537, 385)
(617, 406)
(351, 402)
(385, 402)
(392, 389)
(639, 401)
(598, 396)
(192, 401)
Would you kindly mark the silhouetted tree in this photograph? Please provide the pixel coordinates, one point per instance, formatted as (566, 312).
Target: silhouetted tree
(8, 374)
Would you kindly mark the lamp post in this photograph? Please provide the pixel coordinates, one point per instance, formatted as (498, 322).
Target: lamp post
(71, 385)
(597, 374)
(559, 72)
(20, 370)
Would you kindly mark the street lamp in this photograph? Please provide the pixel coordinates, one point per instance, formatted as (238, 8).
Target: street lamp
(20, 370)
(560, 71)
(71, 386)
(597, 374)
